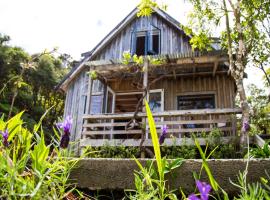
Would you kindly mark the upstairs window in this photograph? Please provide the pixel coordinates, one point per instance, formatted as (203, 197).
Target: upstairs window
(97, 97)
(146, 43)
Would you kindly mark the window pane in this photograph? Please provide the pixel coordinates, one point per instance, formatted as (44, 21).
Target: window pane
(195, 102)
(155, 101)
(140, 45)
(97, 86)
(155, 44)
(96, 104)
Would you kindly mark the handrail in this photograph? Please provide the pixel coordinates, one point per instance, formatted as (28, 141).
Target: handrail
(166, 113)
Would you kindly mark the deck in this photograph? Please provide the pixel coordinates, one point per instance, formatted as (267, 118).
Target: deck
(100, 129)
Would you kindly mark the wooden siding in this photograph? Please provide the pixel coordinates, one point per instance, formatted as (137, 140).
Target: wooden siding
(75, 102)
(172, 40)
(221, 85)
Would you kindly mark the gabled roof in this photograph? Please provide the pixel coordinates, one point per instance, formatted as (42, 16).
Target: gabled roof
(87, 56)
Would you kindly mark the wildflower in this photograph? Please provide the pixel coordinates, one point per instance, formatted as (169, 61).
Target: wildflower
(164, 129)
(5, 138)
(246, 126)
(66, 126)
(204, 190)
(193, 197)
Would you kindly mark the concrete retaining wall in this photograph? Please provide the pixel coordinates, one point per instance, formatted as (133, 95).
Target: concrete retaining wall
(119, 173)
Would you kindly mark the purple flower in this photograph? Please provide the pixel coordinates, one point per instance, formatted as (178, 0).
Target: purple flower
(164, 129)
(66, 126)
(204, 189)
(193, 197)
(245, 126)
(5, 138)
(64, 141)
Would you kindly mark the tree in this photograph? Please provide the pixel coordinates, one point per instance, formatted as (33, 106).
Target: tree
(260, 109)
(239, 24)
(27, 83)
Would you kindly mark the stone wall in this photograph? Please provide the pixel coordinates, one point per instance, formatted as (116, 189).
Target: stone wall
(119, 173)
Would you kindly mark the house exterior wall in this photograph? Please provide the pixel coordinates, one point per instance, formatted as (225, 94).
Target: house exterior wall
(172, 41)
(221, 85)
(75, 103)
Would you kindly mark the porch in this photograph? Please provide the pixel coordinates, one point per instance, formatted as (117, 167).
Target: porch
(190, 94)
(111, 129)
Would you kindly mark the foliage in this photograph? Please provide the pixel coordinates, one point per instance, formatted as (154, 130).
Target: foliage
(247, 191)
(28, 83)
(149, 182)
(260, 107)
(183, 151)
(29, 168)
(146, 8)
(137, 59)
(156, 61)
(93, 75)
(260, 152)
(127, 59)
(239, 24)
(220, 150)
(107, 151)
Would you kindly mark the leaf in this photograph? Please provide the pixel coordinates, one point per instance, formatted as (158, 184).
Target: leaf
(155, 141)
(212, 180)
(14, 125)
(37, 126)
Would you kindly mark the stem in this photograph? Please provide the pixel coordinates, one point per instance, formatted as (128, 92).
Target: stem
(266, 75)
(15, 95)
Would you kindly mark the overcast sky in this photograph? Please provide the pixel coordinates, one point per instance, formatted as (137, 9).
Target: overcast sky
(74, 26)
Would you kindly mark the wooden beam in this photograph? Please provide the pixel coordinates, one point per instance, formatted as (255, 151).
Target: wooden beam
(215, 67)
(148, 142)
(177, 122)
(174, 74)
(259, 141)
(207, 59)
(217, 111)
(202, 59)
(196, 74)
(113, 132)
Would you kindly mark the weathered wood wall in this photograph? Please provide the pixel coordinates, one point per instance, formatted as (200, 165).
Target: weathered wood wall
(172, 40)
(75, 103)
(221, 85)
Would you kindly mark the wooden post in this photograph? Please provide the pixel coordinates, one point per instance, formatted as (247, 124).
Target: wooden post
(88, 100)
(145, 87)
(87, 109)
(89, 95)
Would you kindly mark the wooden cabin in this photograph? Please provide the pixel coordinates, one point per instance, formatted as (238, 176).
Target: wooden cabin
(189, 91)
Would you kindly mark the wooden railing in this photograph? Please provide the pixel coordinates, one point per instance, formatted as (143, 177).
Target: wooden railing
(112, 127)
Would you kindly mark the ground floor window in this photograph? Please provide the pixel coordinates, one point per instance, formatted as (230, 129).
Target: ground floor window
(200, 101)
(156, 100)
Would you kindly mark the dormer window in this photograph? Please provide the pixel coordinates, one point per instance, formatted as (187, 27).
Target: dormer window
(146, 42)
